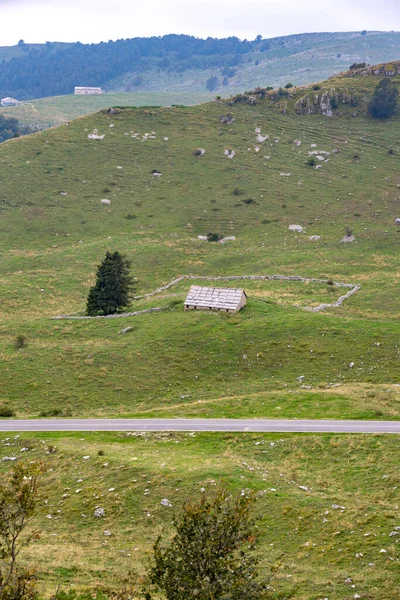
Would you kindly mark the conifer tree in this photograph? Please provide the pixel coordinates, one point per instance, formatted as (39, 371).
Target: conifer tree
(113, 286)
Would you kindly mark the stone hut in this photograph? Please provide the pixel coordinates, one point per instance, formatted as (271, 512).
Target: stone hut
(228, 300)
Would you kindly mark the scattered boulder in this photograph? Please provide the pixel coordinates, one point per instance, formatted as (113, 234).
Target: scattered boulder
(314, 238)
(348, 239)
(95, 135)
(297, 228)
(227, 119)
(99, 513)
(397, 222)
(297, 143)
(261, 138)
(126, 330)
(156, 173)
(285, 174)
(106, 202)
(228, 238)
(229, 153)
(166, 502)
(199, 152)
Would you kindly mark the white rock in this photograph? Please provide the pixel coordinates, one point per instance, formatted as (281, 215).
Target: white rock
(229, 153)
(337, 506)
(285, 174)
(297, 228)
(351, 365)
(95, 136)
(383, 551)
(314, 238)
(107, 533)
(297, 143)
(348, 239)
(105, 201)
(397, 222)
(99, 512)
(166, 502)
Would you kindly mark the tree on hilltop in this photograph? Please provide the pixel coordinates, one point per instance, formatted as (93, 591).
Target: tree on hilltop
(384, 101)
(113, 286)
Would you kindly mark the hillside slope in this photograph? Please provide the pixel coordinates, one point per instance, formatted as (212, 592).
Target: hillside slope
(55, 230)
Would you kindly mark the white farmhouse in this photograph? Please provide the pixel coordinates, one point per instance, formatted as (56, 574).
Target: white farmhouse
(88, 90)
(9, 102)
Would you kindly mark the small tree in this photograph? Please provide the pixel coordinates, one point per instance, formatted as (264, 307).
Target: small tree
(18, 494)
(384, 101)
(211, 556)
(113, 286)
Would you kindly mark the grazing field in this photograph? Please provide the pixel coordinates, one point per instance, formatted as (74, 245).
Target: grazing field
(327, 505)
(273, 358)
(58, 110)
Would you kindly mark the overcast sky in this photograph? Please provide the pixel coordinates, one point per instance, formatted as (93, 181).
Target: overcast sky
(102, 20)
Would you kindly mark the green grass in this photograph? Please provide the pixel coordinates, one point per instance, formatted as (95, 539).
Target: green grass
(55, 231)
(58, 110)
(310, 546)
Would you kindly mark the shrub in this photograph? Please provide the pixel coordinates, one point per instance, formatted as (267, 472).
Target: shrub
(288, 86)
(214, 237)
(348, 231)
(211, 554)
(316, 87)
(354, 66)
(384, 101)
(391, 151)
(311, 161)
(6, 411)
(20, 341)
(236, 191)
(333, 103)
(130, 216)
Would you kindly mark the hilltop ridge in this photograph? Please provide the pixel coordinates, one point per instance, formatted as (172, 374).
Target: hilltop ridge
(176, 63)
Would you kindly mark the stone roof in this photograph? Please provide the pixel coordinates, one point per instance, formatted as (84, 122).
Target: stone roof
(218, 298)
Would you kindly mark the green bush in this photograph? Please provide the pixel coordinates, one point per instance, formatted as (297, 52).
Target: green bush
(214, 237)
(6, 411)
(384, 101)
(20, 341)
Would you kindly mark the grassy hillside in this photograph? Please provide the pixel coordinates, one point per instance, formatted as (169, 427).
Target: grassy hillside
(57, 110)
(175, 69)
(55, 231)
(299, 59)
(327, 505)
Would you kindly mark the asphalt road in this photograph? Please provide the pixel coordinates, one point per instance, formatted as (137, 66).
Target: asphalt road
(234, 425)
